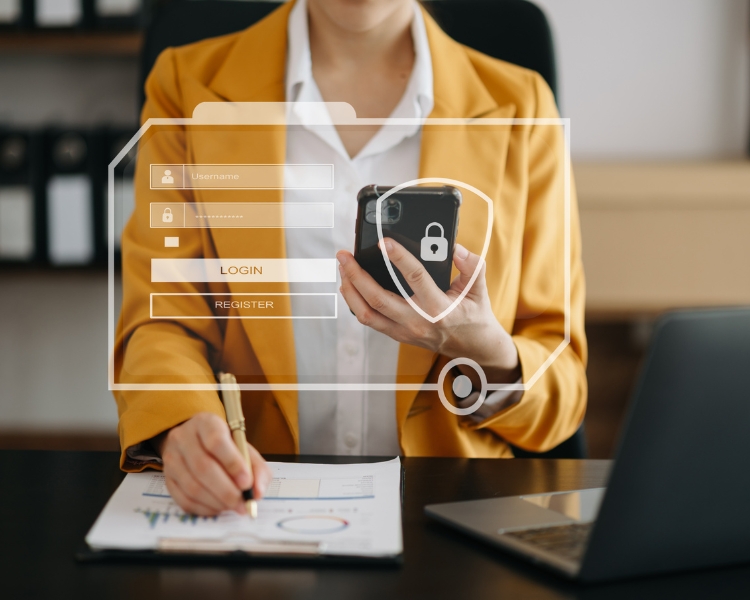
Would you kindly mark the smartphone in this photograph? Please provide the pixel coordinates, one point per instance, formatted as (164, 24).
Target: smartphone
(424, 220)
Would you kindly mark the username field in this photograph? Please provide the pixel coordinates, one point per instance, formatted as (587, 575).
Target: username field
(242, 177)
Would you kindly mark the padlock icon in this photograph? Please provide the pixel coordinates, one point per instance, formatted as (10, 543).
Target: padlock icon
(434, 248)
(167, 216)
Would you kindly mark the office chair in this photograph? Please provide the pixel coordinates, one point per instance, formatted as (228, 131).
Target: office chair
(513, 30)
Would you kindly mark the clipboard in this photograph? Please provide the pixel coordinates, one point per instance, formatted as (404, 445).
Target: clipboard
(86, 555)
(242, 548)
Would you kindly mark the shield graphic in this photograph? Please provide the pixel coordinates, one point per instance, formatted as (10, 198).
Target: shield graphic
(485, 246)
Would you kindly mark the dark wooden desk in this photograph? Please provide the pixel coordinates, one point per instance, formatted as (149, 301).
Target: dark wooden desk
(48, 501)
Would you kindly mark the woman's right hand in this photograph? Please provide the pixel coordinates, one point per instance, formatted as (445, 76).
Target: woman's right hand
(204, 470)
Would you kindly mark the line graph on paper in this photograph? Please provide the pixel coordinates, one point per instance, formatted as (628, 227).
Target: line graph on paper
(161, 512)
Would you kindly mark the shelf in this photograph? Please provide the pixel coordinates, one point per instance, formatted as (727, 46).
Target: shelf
(689, 184)
(664, 236)
(14, 270)
(73, 43)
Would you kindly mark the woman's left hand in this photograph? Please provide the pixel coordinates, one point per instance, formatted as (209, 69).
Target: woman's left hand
(470, 330)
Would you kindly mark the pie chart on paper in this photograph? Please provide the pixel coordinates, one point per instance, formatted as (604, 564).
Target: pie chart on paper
(313, 524)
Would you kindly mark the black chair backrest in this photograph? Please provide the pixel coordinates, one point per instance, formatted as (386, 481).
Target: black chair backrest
(513, 30)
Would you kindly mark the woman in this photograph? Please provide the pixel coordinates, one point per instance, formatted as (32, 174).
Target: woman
(386, 58)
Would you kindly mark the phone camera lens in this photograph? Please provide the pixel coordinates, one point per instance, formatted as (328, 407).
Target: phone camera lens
(392, 213)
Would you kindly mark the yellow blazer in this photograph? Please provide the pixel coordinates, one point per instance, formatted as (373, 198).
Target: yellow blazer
(522, 171)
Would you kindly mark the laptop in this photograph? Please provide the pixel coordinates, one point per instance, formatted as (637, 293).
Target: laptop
(678, 495)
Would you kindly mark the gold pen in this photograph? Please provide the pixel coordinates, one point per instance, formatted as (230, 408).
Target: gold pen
(236, 420)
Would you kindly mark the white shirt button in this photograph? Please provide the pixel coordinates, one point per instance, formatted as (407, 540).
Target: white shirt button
(350, 440)
(352, 349)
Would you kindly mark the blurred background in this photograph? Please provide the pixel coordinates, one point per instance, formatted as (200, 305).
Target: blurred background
(658, 92)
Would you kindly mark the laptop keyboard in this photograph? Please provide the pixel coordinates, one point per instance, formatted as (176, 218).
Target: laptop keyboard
(568, 541)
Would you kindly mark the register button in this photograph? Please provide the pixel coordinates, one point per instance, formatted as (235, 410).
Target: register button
(243, 306)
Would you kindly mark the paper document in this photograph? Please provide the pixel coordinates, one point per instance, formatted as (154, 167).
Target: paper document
(347, 510)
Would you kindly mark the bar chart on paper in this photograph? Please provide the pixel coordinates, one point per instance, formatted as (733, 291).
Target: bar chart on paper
(156, 516)
(283, 488)
(332, 488)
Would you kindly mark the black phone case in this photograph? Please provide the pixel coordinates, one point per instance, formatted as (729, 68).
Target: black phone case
(420, 207)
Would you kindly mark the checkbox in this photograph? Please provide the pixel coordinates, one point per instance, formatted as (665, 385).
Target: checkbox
(171, 242)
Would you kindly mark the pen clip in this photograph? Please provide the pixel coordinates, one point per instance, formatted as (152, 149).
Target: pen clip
(236, 424)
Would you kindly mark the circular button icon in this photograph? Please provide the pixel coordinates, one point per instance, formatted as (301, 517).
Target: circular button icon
(460, 385)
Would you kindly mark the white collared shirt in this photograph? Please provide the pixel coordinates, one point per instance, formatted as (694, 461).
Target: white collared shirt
(342, 350)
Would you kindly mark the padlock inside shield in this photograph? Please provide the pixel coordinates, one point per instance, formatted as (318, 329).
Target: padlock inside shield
(434, 249)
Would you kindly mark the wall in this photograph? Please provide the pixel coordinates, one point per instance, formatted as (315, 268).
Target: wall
(654, 79)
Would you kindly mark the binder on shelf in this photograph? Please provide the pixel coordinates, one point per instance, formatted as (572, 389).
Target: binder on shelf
(16, 14)
(63, 14)
(112, 140)
(19, 215)
(118, 14)
(11, 13)
(69, 198)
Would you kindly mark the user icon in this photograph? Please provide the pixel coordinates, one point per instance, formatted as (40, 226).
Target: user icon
(167, 177)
